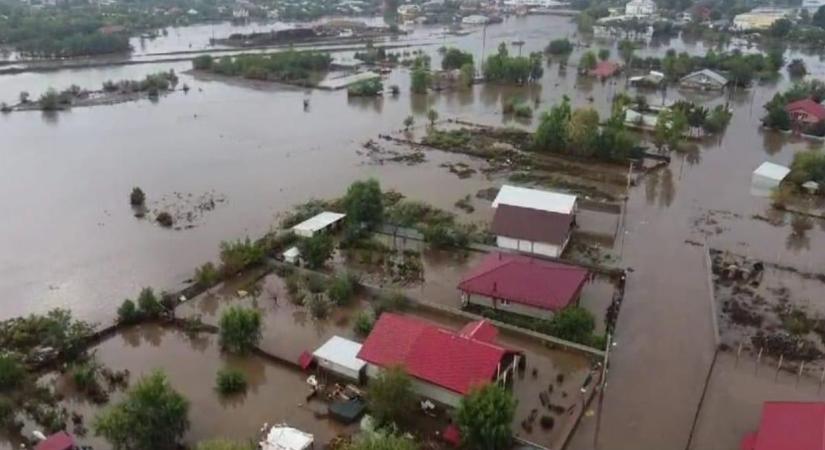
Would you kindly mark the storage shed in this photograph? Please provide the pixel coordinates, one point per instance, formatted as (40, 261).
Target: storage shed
(320, 222)
(340, 356)
(766, 178)
(283, 437)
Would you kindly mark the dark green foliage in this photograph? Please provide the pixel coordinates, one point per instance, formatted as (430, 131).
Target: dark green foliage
(559, 47)
(149, 305)
(518, 108)
(504, 68)
(50, 100)
(604, 54)
(222, 444)
(239, 255)
(808, 165)
(316, 283)
(454, 59)
(289, 66)
(153, 415)
(341, 288)
(390, 301)
(203, 62)
(818, 18)
(319, 305)
(420, 80)
(12, 373)
(740, 68)
(206, 275)
(366, 88)
(485, 417)
(137, 197)
(230, 381)
(364, 204)
(797, 69)
(56, 329)
(573, 324)
(315, 251)
(776, 116)
(444, 236)
(780, 28)
(364, 322)
(382, 441)
(128, 312)
(165, 219)
(390, 397)
(240, 329)
(551, 134)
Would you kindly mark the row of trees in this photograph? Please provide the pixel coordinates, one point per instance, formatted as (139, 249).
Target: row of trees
(504, 68)
(741, 68)
(579, 133)
(285, 66)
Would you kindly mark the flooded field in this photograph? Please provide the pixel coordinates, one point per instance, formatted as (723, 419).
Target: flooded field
(73, 242)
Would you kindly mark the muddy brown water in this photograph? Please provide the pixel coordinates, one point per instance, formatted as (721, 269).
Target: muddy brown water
(71, 241)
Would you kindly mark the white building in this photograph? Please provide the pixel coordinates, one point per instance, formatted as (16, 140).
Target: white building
(766, 178)
(320, 222)
(475, 20)
(640, 8)
(340, 356)
(758, 19)
(283, 437)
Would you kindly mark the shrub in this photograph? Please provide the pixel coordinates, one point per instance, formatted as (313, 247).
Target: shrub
(366, 88)
(390, 301)
(149, 304)
(390, 396)
(240, 329)
(315, 251)
(319, 306)
(316, 283)
(128, 312)
(238, 255)
(202, 62)
(85, 376)
(293, 283)
(206, 275)
(485, 417)
(364, 322)
(230, 381)
(455, 59)
(559, 47)
(573, 324)
(165, 219)
(137, 197)
(12, 373)
(341, 289)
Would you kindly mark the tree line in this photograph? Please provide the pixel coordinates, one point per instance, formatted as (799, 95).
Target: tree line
(285, 66)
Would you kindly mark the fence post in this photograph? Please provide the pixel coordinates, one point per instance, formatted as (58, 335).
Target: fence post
(778, 367)
(758, 360)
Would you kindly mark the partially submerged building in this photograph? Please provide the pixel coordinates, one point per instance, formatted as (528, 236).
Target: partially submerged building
(605, 69)
(758, 19)
(652, 79)
(320, 222)
(789, 426)
(523, 285)
(704, 79)
(340, 357)
(640, 8)
(444, 364)
(805, 112)
(533, 221)
(767, 177)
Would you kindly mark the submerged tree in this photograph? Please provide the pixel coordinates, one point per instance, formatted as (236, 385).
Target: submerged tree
(485, 418)
(240, 329)
(390, 397)
(364, 204)
(137, 197)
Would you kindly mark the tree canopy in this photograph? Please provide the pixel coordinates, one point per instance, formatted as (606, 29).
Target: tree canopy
(390, 397)
(316, 250)
(454, 59)
(485, 417)
(504, 68)
(153, 415)
(240, 329)
(364, 203)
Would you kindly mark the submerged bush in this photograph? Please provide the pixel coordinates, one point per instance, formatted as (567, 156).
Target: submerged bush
(128, 312)
(364, 322)
(137, 197)
(230, 381)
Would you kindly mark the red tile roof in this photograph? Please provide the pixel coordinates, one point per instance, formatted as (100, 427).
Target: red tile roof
(433, 354)
(807, 106)
(58, 441)
(789, 426)
(604, 69)
(528, 281)
(531, 224)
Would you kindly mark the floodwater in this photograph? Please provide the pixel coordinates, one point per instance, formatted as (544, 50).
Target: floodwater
(71, 239)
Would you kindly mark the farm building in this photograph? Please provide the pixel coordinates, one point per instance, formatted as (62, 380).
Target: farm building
(704, 79)
(533, 221)
(340, 357)
(320, 222)
(788, 426)
(767, 177)
(523, 285)
(444, 364)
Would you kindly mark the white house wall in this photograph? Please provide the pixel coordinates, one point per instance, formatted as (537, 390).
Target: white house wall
(338, 369)
(539, 248)
(517, 308)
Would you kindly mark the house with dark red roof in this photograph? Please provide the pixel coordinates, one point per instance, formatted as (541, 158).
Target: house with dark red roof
(444, 364)
(58, 441)
(523, 285)
(789, 426)
(805, 112)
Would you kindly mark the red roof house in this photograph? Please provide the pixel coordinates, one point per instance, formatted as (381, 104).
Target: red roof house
(605, 69)
(789, 426)
(445, 364)
(532, 230)
(806, 111)
(525, 285)
(58, 441)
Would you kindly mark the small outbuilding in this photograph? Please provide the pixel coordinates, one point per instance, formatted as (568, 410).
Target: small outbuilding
(292, 255)
(322, 222)
(605, 69)
(766, 178)
(805, 112)
(58, 441)
(705, 79)
(340, 356)
(283, 437)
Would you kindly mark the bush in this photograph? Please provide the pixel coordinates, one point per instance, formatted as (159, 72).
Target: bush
(319, 305)
(128, 312)
(12, 373)
(50, 101)
(455, 59)
(137, 197)
(230, 381)
(202, 62)
(315, 251)
(293, 283)
(390, 397)
(165, 219)
(85, 376)
(559, 47)
(316, 283)
(341, 289)
(485, 417)
(574, 324)
(420, 81)
(238, 255)
(206, 275)
(390, 301)
(364, 322)
(366, 88)
(149, 305)
(240, 329)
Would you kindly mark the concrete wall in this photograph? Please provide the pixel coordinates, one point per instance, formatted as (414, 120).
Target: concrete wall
(339, 369)
(426, 390)
(517, 308)
(539, 248)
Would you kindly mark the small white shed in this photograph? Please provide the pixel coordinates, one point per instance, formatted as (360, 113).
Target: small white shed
(536, 199)
(766, 178)
(340, 356)
(283, 437)
(292, 255)
(320, 222)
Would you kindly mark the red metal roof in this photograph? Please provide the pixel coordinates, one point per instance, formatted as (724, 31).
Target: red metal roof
(531, 224)
(604, 69)
(481, 330)
(58, 441)
(807, 106)
(528, 281)
(433, 354)
(789, 426)
(305, 360)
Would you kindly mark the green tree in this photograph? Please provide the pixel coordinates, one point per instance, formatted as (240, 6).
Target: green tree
(432, 116)
(454, 59)
(12, 373)
(316, 250)
(50, 100)
(240, 329)
(206, 275)
(238, 255)
(819, 17)
(604, 54)
(551, 134)
(485, 417)
(364, 204)
(558, 47)
(202, 62)
(780, 28)
(153, 415)
(468, 72)
(409, 121)
(587, 62)
(137, 197)
(574, 324)
(419, 80)
(797, 68)
(128, 312)
(230, 381)
(341, 288)
(148, 304)
(223, 444)
(582, 130)
(390, 397)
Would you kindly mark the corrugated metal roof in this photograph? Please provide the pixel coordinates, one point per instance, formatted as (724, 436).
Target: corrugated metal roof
(708, 73)
(343, 352)
(317, 223)
(536, 199)
(789, 426)
(773, 171)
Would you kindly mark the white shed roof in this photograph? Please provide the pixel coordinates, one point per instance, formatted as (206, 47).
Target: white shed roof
(342, 352)
(772, 171)
(292, 252)
(318, 222)
(535, 199)
(282, 437)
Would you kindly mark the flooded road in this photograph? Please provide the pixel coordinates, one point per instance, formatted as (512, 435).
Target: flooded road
(72, 240)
